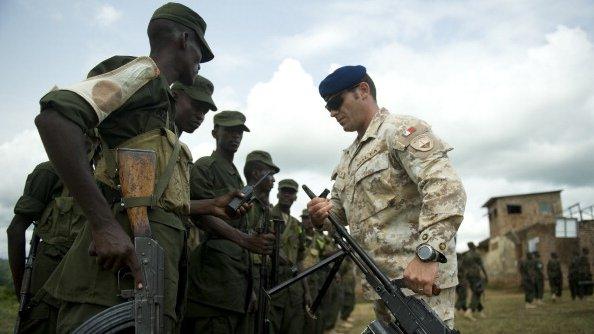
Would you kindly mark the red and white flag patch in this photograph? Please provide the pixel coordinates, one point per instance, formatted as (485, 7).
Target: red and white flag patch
(409, 131)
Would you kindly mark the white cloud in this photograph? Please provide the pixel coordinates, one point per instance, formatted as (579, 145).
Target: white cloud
(107, 15)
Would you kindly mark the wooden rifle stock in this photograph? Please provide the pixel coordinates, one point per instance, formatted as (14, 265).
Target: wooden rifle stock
(136, 169)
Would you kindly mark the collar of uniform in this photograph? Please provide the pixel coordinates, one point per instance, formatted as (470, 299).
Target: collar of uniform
(224, 162)
(373, 127)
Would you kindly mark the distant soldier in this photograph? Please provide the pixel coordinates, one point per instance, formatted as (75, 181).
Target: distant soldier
(573, 275)
(288, 310)
(257, 164)
(584, 274)
(58, 220)
(473, 267)
(539, 278)
(314, 244)
(528, 274)
(461, 288)
(347, 284)
(555, 276)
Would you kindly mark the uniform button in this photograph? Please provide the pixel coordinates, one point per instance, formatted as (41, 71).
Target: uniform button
(442, 246)
(425, 237)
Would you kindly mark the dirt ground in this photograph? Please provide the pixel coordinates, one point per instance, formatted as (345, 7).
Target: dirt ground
(506, 313)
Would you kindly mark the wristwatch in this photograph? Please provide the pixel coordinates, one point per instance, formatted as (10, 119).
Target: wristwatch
(426, 253)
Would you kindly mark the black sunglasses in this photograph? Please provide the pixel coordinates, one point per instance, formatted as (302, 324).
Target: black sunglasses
(335, 101)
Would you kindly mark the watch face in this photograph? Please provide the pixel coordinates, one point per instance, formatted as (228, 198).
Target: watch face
(424, 252)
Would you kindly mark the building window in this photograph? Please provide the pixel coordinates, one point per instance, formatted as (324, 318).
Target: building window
(545, 208)
(514, 209)
(533, 244)
(566, 227)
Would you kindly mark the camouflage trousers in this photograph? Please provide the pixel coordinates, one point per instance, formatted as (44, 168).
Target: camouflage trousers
(556, 285)
(445, 302)
(477, 289)
(539, 288)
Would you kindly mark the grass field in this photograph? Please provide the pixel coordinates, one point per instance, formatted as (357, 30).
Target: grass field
(506, 314)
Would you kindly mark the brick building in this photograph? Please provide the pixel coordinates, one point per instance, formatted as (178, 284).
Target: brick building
(530, 222)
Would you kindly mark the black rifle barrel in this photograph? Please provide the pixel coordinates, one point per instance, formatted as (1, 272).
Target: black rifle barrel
(26, 283)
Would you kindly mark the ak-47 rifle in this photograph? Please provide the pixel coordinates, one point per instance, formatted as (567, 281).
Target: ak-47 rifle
(144, 311)
(25, 292)
(412, 315)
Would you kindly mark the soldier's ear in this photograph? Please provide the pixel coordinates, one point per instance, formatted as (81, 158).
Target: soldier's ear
(364, 90)
(183, 40)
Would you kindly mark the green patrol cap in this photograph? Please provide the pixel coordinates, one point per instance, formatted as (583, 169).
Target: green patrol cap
(183, 15)
(201, 90)
(229, 118)
(263, 157)
(304, 213)
(288, 183)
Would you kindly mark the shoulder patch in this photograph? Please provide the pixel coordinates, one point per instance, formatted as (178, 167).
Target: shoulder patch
(408, 128)
(109, 91)
(422, 143)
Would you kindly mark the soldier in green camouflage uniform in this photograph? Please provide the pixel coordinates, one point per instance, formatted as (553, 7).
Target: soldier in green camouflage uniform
(461, 288)
(555, 276)
(584, 274)
(314, 248)
(528, 275)
(287, 307)
(131, 106)
(539, 279)
(573, 274)
(198, 96)
(59, 219)
(473, 267)
(257, 164)
(220, 288)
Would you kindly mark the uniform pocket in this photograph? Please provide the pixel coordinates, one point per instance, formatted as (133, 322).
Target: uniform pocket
(374, 186)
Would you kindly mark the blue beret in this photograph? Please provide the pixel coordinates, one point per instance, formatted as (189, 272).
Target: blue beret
(341, 79)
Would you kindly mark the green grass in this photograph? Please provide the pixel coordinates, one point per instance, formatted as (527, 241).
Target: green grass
(506, 314)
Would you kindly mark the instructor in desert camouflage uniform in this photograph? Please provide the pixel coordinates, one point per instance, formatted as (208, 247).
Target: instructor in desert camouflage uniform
(396, 188)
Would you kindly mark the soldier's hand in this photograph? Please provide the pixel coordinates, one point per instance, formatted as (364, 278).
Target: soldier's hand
(319, 209)
(114, 250)
(220, 206)
(259, 243)
(420, 277)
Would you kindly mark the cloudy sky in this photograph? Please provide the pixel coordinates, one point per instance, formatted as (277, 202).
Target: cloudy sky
(509, 84)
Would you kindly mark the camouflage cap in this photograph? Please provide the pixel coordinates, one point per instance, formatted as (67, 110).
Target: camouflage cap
(288, 183)
(229, 118)
(183, 15)
(263, 157)
(304, 213)
(201, 90)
